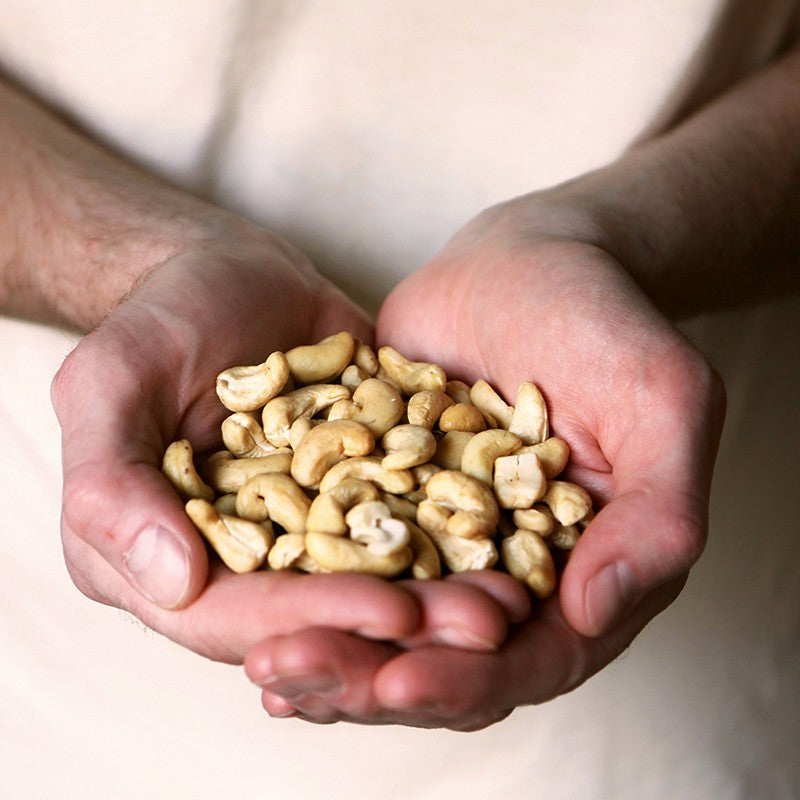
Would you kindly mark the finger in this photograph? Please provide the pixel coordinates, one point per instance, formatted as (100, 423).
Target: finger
(654, 528)
(543, 659)
(507, 592)
(459, 613)
(321, 674)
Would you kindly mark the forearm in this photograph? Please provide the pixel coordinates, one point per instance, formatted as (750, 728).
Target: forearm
(79, 226)
(708, 214)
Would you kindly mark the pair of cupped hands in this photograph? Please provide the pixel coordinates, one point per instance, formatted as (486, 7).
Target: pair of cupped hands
(518, 294)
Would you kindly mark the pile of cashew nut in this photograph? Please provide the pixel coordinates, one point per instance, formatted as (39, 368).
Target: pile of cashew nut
(338, 458)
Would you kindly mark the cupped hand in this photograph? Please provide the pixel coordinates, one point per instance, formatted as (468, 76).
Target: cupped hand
(145, 377)
(520, 294)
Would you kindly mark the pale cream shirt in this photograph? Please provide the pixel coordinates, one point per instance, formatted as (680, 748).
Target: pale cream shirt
(368, 133)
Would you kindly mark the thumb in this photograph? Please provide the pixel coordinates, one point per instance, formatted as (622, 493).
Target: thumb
(114, 495)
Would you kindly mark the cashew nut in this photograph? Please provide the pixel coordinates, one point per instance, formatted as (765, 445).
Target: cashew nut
(462, 417)
(422, 474)
(243, 436)
(375, 403)
(482, 449)
(529, 420)
(327, 510)
(458, 553)
(564, 537)
(569, 502)
(450, 449)
(353, 376)
(249, 388)
(241, 544)
(340, 554)
(458, 391)
(490, 403)
(226, 504)
(528, 559)
(368, 468)
(280, 412)
(314, 363)
(411, 376)
(178, 467)
(519, 481)
(289, 552)
(327, 444)
(407, 446)
(474, 509)
(426, 563)
(228, 474)
(400, 507)
(425, 407)
(553, 453)
(365, 359)
(538, 519)
(373, 525)
(275, 497)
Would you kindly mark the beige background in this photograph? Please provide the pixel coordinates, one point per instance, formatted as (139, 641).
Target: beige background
(370, 132)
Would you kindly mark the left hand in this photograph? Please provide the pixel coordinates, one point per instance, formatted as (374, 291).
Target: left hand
(520, 294)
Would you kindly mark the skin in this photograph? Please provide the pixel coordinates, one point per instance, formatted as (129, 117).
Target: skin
(596, 266)
(587, 278)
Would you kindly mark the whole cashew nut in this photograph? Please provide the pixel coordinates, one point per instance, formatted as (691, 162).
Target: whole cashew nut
(340, 554)
(482, 449)
(450, 449)
(243, 436)
(490, 403)
(425, 407)
(368, 468)
(426, 563)
(279, 413)
(241, 544)
(314, 363)
(529, 420)
(411, 376)
(474, 508)
(289, 552)
(569, 502)
(376, 404)
(328, 444)
(528, 559)
(178, 467)
(462, 417)
(407, 446)
(275, 497)
(228, 474)
(250, 387)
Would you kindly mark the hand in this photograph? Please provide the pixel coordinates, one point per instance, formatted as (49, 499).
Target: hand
(144, 378)
(521, 294)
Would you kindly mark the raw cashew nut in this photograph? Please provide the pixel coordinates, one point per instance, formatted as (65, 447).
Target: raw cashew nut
(422, 474)
(425, 407)
(458, 391)
(226, 504)
(178, 467)
(289, 552)
(426, 564)
(373, 525)
(375, 404)
(462, 417)
(243, 436)
(340, 554)
(553, 454)
(528, 559)
(538, 519)
(407, 446)
(564, 537)
(450, 449)
(241, 544)
(326, 514)
(411, 376)
(458, 553)
(368, 468)
(327, 444)
(490, 403)
(279, 413)
(482, 449)
(228, 474)
(569, 502)
(353, 376)
(314, 363)
(474, 509)
(529, 420)
(249, 388)
(400, 507)
(365, 359)
(519, 481)
(275, 497)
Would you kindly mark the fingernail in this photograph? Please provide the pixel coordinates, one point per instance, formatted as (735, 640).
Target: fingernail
(159, 565)
(466, 640)
(609, 595)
